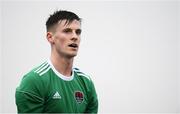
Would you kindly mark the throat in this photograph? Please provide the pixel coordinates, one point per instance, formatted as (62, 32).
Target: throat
(66, 72)
(63, 66)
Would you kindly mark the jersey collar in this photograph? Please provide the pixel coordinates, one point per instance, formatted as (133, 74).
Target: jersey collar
(66, 78)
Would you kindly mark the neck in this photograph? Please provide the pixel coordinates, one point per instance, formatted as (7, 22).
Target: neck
(62, 64)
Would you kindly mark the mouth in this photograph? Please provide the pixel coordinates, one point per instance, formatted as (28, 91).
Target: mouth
(73, 45)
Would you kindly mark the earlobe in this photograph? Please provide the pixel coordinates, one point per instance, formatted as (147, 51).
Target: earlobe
(49, 37)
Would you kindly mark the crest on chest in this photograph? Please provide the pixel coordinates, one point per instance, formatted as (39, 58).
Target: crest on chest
(79, 96)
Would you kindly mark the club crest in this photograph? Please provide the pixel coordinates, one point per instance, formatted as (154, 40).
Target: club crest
(79, 96)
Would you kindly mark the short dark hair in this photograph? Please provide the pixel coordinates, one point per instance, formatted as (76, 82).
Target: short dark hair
(61, 15)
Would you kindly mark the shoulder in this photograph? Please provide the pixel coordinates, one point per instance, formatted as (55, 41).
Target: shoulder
(83, 77)
(33, 77)
(32, 82)
(36, 71)
(41, 69)
(81, 74)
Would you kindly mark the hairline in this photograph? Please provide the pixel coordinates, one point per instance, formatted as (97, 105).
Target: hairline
(67, 22)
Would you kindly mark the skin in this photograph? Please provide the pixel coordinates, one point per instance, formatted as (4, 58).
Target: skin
(62, 55)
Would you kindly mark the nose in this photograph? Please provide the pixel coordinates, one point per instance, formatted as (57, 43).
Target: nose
(74, 36)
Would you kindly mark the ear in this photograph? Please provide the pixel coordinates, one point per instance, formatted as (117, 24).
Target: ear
(50, 38)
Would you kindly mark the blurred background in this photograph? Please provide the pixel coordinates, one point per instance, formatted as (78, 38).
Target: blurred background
(130, 48)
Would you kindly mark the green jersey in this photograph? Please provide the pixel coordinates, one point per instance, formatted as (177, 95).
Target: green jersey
(45, 90)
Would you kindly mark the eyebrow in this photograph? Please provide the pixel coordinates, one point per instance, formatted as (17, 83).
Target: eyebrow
(72, 29)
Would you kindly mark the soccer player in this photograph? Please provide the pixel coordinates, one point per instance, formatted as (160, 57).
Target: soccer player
(56, 86)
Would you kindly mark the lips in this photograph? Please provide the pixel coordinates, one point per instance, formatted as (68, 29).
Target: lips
(73, 45)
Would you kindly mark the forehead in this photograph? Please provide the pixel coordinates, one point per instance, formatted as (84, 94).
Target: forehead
(75, 24)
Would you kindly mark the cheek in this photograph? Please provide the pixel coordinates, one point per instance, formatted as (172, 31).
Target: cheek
(79, 40)
(60, 39)
(61, 42)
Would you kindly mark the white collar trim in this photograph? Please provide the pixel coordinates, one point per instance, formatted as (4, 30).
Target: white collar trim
(66, 78)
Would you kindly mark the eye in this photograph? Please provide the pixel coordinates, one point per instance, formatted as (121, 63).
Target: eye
(67, 30)
(78, 32)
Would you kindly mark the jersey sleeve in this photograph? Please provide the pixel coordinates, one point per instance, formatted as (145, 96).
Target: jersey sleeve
(29, 99)
(93, 100)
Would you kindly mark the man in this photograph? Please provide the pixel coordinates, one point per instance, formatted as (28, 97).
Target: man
(54, 86)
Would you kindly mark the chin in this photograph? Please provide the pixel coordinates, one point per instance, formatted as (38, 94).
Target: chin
(71, 55)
